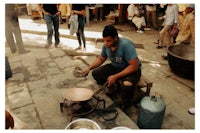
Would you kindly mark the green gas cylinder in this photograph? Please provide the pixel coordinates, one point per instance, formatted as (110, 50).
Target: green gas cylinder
(151, 112)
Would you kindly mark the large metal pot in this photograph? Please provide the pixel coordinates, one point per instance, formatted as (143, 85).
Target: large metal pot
(181, 59)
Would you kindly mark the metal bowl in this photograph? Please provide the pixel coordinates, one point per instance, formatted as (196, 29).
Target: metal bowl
(121, 128)
(181, 59)
(83, 124)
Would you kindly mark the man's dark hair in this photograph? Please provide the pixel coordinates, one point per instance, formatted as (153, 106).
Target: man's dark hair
(110, 30)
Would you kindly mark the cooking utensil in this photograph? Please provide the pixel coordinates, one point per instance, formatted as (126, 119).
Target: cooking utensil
(83, 124)
(78, 72)
(181, 59)
(78, 94)
(121, 128)
(81, 94)
(102, 88)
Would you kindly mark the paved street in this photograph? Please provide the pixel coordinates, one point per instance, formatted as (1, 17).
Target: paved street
(35, 91)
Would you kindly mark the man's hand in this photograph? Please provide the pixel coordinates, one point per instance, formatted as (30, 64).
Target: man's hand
(85, 72)
(111, 80)
(160, 18)
(58, 13)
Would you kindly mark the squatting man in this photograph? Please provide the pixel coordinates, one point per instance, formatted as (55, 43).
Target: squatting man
(125, 64)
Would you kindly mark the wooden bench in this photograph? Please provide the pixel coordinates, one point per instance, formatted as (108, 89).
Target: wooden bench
(143, 88)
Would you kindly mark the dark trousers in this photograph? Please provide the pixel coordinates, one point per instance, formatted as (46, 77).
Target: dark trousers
(80, 35)
(101, 74)
(52, 23)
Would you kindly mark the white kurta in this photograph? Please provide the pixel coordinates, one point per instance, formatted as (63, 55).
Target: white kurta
(138, 21)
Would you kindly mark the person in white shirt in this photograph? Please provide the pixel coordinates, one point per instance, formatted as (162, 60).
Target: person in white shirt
(171, 20)
(135, 16)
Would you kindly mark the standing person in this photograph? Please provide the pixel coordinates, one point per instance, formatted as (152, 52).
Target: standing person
(99, 12)
(171, 20)
(125, 64)
(51, 17)
(151, 12)
(79, 9)
(87, 12)
(13, 31)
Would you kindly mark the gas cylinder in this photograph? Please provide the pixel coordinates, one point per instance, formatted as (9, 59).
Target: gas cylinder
(151, 112)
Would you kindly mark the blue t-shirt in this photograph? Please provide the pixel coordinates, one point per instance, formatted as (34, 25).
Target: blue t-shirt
(123, 54)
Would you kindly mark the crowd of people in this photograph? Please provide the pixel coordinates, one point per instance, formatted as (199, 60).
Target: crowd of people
(178, 25)
(143, 16)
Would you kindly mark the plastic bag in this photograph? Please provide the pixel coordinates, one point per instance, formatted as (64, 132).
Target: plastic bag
(174, 32)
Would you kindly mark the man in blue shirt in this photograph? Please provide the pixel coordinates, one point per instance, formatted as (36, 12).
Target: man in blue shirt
(124, 66)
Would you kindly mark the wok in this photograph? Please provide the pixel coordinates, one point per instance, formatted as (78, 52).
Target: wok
(181, 59)
(81, 94)
(78, 94)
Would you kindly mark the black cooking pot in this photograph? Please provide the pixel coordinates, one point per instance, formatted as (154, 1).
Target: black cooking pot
(181, 59)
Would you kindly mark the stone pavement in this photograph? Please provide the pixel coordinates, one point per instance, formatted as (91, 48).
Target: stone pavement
(35, 90)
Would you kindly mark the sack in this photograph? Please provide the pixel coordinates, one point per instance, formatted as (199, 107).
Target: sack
(174, 32)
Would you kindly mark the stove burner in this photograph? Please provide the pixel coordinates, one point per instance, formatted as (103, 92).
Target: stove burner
(78, 109)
